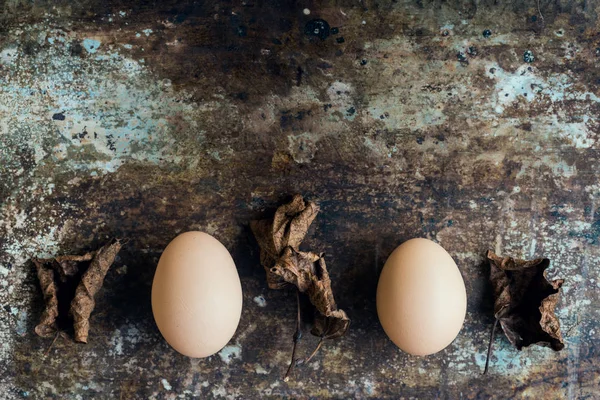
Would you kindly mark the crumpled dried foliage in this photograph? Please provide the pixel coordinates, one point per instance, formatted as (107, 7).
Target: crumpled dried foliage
(279, 240)
(83, 304)
(285, 265)
(525, 301)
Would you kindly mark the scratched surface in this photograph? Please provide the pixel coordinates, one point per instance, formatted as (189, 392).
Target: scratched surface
(142, 120)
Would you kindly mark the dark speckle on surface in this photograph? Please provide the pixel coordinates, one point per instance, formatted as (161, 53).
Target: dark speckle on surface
(460, 56)
(340, 40)
(335, 30)
(76, 48)
(30, 47)
(363, 62)
(110, 140)
(487, 33)
(241, 31)
(318, 28)
(58, 117)
(299, 75)
(528, 56)
(180, 18)
(472, 51)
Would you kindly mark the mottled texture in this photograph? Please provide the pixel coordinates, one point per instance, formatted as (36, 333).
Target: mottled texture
(142, 120)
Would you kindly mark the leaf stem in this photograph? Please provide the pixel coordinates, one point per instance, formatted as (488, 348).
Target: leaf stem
(315, 351)
(297, 336)
(489, 352)
(51, 344)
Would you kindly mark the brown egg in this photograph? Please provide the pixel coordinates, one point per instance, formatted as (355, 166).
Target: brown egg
(196, 295)
(421, 297)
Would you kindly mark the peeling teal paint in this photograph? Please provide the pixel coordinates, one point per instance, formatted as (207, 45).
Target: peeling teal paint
(91, 45)
(118, 114)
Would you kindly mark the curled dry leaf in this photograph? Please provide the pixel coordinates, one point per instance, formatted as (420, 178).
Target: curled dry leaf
(83, 303)
(47, 325)
(279, 240)
(67, 267)
(524, 302)
(287, 229)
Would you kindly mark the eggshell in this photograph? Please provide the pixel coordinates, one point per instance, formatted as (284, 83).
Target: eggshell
(421, 297)
(196, 295)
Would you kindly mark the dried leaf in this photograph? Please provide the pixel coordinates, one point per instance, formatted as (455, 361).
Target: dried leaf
(83, 303)
(285, 264)
(67, 267)
(525, 301)
(332, 326)
(279, 240)
(308, 272)
(287, 229)
(47, 326)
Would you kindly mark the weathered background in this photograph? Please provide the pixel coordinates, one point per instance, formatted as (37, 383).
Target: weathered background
(141, 120)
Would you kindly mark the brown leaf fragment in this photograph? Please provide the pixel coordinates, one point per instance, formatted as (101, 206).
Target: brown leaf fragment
(83, 303)
(47, 325)
(308, 272)
(332, 322)
(285, 265)
(332, 326)
(68, 266)
(287, 229)
(525, 301)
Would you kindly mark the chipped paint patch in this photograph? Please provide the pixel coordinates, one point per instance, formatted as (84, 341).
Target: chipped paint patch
(91, 45)
(117, 343)
(165, 383)
(260, 301)
(9, 55)
(341, 98)
(521, 84)
(302, 147)
(230, 353)
(107, 120)
(259, 369)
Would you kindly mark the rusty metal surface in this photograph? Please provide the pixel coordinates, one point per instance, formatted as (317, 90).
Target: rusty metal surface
(142, 120)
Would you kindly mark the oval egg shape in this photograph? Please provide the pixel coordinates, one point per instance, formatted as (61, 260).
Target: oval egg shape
(421, 297)
(196, 295)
